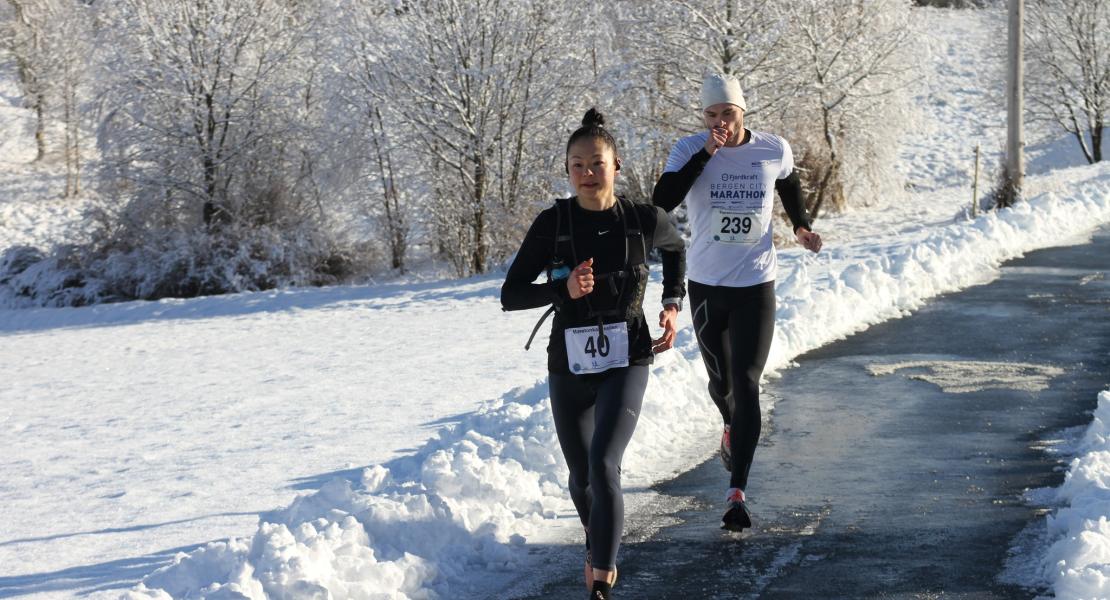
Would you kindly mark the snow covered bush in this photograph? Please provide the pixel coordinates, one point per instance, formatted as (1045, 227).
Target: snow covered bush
(172, 263)
(28, 277)
(211, 145)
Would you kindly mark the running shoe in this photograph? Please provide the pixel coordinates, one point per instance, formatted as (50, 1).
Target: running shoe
(737, 517)
(726, 450)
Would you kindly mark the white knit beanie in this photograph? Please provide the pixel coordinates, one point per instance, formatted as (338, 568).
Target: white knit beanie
(722, 88)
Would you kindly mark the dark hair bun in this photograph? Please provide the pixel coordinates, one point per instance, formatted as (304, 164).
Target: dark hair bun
(593, 118)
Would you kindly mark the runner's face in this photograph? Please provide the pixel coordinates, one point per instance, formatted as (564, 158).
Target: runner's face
(726, 116)
(592, 167)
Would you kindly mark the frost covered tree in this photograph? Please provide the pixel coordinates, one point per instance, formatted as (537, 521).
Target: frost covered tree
(69, 44)
(204, 99)
(49, 42)
(1068, 78)
(851, 65)
(665, 49)
(481, 89)
(382, 166)
(745, 39)
(211, 150)
(24, 38)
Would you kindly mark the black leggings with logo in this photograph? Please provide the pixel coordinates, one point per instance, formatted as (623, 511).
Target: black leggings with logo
(595, 416)
(734, 326)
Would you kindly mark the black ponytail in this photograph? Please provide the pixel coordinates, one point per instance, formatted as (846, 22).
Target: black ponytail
(593, 118)
(593, 126)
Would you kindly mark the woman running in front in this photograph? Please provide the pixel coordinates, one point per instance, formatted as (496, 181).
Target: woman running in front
(594, 247)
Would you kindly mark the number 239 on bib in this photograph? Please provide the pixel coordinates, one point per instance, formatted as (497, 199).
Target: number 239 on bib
(736, 227)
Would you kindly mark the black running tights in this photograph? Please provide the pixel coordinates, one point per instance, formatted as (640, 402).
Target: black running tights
(595, 416)
(734, 326)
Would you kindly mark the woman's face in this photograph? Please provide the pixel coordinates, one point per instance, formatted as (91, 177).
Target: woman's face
(592, 167)
(726, 116)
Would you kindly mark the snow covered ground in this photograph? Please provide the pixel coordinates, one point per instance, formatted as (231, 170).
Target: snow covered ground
(146, 439)
(1077, 564)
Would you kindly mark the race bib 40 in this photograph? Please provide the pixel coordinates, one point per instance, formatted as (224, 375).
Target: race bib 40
(589, 353)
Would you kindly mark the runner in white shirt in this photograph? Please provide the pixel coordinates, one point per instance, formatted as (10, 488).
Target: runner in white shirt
(727, 175)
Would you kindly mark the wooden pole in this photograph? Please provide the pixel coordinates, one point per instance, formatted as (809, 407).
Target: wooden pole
(975, 186)
(1015, 136)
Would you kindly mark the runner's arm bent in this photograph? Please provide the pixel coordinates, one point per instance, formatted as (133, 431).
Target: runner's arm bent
(519, 292)
(790, 192)
(673, 248)
(672, 186)
(669, 242)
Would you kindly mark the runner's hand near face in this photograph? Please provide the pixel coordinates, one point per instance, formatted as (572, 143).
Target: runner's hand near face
(667, 319)
(717, 138)
(581, 280)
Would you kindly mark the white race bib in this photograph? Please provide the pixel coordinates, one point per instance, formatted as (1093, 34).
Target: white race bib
(736, 226)
(587, 354)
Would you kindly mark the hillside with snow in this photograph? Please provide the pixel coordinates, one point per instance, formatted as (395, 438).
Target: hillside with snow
(395, 440)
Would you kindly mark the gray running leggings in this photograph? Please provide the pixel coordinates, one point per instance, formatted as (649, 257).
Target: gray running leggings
(595, 416)
(734, 326)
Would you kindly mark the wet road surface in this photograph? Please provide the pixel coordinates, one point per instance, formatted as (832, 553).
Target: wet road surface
(895, 461)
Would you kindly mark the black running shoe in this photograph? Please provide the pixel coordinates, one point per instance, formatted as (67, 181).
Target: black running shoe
(726, 450)
(737, 517)
(601, 591)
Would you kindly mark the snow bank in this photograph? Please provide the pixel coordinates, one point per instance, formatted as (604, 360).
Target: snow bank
(457, 511)
(421, 526)
(1077, 565)
(820, 303)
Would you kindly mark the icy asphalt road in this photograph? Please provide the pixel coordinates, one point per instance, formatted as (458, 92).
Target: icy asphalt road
(895, 462)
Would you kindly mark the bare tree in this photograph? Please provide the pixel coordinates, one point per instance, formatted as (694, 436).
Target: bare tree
(851, 62)
(50, 43)
(26, 41)
(373, 140)
(482, 83)
(70, 45)
(1068, 79)
(204, 99)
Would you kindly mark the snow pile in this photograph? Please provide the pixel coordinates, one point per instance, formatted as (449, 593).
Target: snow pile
(1077, 565)
(820, 305)
(435, 523)
(420, 526)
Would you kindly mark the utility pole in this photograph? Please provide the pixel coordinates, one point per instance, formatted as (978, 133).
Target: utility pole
(1015, 136)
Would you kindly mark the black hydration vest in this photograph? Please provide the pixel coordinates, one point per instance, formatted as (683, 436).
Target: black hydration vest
(634, 275)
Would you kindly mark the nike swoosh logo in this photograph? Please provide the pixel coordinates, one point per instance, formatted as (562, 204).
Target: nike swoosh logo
(603, 232)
